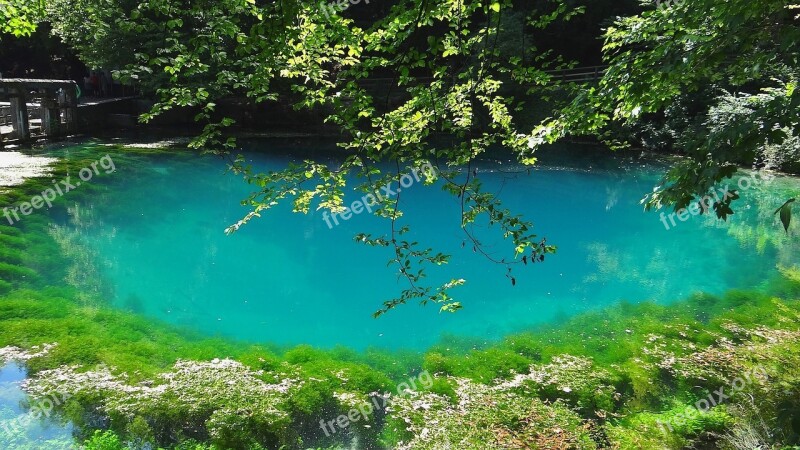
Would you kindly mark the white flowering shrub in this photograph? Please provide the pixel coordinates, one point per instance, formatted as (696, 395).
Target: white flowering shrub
(572, 379)
(8, 354)
(222, 399)
(486, 417)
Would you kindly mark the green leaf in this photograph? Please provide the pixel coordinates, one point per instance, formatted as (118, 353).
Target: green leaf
(786, 214)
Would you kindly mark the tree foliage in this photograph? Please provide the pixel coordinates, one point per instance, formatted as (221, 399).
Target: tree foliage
(743, 53)
(449, 77)
(19, 17)
(723, 74)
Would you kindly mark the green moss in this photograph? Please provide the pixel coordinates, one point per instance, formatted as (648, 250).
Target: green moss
(12, 273)
(486, 417)
(623, 381)
(9, 231)
(483, 365)
(104, 440)
(12, 242)
(11, 256)
(445, 388)
(676, 428)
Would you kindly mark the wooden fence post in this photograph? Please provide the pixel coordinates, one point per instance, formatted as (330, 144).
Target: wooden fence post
(51, 116)
(19, 115)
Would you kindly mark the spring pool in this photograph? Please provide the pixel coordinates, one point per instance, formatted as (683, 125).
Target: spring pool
(156, 238)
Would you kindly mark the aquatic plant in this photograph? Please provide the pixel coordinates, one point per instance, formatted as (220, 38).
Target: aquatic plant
(220, 400)
(487, 417)
(628, 376)
(661, 362)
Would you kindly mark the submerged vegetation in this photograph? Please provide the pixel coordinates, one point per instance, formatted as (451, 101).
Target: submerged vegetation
(623, 377)
(707, 371)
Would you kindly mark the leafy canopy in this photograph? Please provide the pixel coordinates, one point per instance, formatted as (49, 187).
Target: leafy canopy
(449, 77)
(455, 90)
(744, 52)
(19, 17)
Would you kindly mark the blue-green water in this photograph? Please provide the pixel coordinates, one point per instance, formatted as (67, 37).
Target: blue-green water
(288, 279)
(25, 424)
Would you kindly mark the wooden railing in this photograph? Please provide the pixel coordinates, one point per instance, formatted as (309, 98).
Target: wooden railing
(578, 74)
(5, 115)
(47, 106)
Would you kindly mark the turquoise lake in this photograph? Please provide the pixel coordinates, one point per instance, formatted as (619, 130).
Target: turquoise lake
(157, 237)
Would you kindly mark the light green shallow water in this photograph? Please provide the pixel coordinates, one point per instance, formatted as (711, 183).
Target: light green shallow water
(289, 279)
(25, 424)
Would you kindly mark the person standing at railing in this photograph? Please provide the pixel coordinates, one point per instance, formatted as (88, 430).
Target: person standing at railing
(94, 80)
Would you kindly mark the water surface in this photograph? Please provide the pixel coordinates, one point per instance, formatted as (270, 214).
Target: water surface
(24, 427)
(289, 279)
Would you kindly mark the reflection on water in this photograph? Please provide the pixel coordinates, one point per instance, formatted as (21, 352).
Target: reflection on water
(287, 278)
(24, 424)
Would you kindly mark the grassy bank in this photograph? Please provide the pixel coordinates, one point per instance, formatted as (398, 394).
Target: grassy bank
(627, 377)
